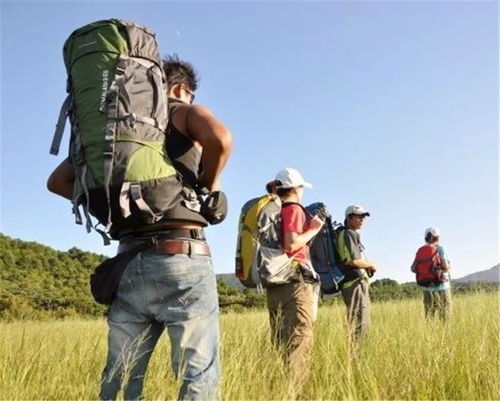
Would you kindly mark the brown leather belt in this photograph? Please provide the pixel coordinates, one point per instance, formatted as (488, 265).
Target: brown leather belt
(174, 247)
(172, 233)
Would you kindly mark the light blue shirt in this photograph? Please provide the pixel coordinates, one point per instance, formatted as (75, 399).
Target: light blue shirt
(443, 286)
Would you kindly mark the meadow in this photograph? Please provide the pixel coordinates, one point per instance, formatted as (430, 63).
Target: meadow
(403, 357)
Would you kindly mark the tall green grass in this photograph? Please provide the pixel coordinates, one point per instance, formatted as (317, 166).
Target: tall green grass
(403, 357)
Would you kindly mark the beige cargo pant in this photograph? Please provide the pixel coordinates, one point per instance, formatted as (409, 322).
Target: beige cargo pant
(357, 302)
(291, 314)
(437, 301)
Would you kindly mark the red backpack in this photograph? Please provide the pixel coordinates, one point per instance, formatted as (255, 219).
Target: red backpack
(428, 266)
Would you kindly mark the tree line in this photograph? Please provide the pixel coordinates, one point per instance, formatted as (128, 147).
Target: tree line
(38, 282)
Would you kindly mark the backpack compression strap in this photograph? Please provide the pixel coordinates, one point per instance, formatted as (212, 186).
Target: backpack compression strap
(54, 150)
(61, 124)
(132, 190)
(109, 137)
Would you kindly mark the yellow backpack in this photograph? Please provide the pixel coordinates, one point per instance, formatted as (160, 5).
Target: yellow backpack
(259, 225)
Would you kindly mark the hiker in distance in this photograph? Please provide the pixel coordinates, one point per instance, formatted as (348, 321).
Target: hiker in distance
(293, 305)
(171, 283)
(432, 266)
(357, 270)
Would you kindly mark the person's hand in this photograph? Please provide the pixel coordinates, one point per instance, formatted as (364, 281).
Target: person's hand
(317, 223)
(373, 267)
(212, 187)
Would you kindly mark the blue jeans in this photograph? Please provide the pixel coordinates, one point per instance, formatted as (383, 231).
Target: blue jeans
(176, 292)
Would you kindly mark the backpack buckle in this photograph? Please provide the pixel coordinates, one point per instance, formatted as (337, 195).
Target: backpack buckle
(197, 234)
(121, 66)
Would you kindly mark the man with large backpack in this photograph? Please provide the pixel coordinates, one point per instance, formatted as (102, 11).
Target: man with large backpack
(357, 270)
(170, 282)
(292, 303)
(431, 266)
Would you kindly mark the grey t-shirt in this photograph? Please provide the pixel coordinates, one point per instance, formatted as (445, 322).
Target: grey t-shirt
(350, 247)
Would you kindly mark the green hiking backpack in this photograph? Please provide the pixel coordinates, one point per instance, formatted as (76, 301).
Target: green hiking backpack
(117, 106)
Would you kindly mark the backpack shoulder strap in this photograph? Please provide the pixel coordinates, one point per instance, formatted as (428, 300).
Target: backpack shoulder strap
(187, 179)
(436, 256)
(173, 106)
(285, 204)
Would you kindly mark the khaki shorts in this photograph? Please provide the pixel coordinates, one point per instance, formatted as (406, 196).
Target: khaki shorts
(437, 301)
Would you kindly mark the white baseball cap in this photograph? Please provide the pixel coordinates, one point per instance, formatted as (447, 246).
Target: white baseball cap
(434, 231)
(356, 209)
(291, 178)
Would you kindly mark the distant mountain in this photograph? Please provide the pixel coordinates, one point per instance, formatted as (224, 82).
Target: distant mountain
(491, 275)
(230, 279)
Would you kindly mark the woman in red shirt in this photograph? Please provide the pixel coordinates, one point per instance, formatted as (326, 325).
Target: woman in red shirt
(292, 305)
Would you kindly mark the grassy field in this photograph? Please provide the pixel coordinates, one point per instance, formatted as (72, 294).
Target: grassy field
(403, 357)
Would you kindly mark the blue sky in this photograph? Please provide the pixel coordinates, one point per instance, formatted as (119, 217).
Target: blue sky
(392, 105)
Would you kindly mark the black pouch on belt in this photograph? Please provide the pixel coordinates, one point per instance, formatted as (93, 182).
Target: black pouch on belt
(214, 208)
(106, 278)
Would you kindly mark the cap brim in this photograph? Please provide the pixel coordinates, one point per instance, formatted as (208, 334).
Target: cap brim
(365, 213)
(304, 184)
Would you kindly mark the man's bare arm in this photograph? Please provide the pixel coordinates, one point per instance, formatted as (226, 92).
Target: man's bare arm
(61, 180)
(215, 140)
(362, 264)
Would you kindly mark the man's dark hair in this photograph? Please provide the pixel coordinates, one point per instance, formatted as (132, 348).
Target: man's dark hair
(180, 72)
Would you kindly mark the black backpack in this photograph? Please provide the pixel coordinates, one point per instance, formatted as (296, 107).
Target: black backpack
(323, 250)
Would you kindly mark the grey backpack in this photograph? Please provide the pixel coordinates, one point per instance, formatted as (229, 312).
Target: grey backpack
(274, 265)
